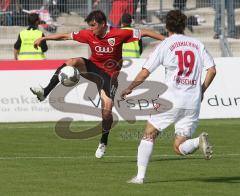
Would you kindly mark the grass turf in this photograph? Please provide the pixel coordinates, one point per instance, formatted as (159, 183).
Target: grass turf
(35, 161)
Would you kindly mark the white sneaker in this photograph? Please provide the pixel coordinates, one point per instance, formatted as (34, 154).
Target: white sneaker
(39, 92)
(135, 180)
(205, 146)
(100, 151)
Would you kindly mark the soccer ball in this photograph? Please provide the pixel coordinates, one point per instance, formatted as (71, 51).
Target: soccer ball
(69, 76)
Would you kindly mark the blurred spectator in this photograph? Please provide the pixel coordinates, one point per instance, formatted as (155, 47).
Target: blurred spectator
(6, 16)
(143, 10)
(120, 7)
(63, 6)
(24, 46)
(229, 6)
(104, 5)
(131, 49)
(4, 4)
(25, 4)
(180, 4)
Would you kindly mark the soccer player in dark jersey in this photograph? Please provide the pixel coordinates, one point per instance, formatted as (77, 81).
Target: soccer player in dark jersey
(106, 60)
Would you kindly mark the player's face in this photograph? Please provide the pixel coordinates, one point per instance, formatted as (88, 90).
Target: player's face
(96, 28)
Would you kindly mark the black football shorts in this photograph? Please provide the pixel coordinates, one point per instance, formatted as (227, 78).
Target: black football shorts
(101, 79)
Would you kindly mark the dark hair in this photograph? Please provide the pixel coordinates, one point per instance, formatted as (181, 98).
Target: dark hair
(176, 21)
(96, 15)
(33, 18)
(126, 19)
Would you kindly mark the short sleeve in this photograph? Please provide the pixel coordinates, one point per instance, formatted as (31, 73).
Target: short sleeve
(207, 59)
(131, 35)
(155, 59)
(81, 36)
(18, 43)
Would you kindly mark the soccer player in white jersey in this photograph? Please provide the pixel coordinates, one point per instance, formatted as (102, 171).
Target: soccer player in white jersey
(184, 59)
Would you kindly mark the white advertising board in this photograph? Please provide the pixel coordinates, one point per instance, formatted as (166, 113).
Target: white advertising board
(17, 104)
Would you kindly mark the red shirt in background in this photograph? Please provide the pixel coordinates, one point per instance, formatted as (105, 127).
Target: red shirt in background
(107, 51)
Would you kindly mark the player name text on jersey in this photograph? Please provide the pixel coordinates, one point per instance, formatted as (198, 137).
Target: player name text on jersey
(183, 43)
(184, 81)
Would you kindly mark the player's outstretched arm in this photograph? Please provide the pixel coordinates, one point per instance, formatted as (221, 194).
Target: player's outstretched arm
(59, 36)
(140, 78)
(152, 34)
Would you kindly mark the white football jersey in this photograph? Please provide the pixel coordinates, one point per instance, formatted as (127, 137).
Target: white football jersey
(184, 59)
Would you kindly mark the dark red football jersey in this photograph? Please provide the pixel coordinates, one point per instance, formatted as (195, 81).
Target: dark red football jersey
(107, 51)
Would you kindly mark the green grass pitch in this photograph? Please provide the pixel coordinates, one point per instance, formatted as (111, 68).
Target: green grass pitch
(34, 161)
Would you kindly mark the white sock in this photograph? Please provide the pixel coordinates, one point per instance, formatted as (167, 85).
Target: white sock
(144, 152)
(189, 146)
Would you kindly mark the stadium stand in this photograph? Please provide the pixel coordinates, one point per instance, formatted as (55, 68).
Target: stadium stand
(73, 20)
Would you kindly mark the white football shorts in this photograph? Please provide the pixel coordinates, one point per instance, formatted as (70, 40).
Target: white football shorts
(185, 121)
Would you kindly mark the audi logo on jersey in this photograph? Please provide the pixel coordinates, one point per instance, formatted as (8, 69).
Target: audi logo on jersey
(102, 49)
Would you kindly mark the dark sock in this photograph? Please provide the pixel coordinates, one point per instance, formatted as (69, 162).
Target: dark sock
(104, 138)
(106, 126)
(53, 82)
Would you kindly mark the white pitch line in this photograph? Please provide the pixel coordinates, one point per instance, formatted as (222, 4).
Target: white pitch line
(113, 156)
(37, 127)
(50, 126)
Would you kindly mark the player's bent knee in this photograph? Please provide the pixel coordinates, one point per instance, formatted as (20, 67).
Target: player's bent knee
(71, 62)
(107, 115)
(106, 112)
(150, 135)
(74, 61)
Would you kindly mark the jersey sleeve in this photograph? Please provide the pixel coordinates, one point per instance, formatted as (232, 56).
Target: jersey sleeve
(18, 43)
(131, 35)
(207, 59)
(81, 36)
(155, 59)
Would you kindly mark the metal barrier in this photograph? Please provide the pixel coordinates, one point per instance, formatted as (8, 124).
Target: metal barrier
(68, 16)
